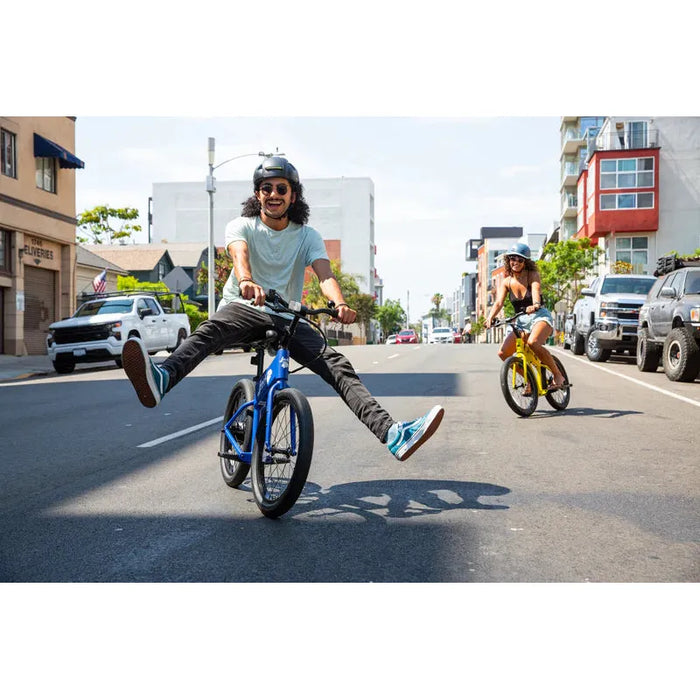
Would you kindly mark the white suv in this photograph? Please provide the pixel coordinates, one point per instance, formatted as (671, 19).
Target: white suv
(441, 334)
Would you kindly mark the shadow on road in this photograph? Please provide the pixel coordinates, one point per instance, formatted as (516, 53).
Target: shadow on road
(393, 498)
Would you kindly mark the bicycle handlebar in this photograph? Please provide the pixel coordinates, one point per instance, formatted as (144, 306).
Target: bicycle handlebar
(505, 321)
(274, 301)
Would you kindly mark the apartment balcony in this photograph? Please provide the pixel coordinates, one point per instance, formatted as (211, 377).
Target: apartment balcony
(626, 140)
(571, 140)
(569, 205)
(569, 173)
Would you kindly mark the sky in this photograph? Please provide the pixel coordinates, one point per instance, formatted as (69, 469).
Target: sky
(437, 181)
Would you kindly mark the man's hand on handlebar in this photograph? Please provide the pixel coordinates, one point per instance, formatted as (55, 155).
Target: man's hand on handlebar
(253, 292)
(345, 314)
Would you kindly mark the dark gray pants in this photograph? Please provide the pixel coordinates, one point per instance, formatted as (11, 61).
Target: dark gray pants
(240, 324)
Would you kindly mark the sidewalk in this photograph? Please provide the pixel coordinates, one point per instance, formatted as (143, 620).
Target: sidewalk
(12, 367)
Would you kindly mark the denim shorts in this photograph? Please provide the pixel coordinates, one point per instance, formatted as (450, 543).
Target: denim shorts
(528, 321)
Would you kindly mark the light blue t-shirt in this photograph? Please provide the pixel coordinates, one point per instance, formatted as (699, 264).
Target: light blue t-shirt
(277, 258)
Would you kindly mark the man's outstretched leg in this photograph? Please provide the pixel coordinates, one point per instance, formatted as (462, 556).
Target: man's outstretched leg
(149, 380)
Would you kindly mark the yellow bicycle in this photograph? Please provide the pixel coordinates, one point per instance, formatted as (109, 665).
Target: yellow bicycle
(524, 378)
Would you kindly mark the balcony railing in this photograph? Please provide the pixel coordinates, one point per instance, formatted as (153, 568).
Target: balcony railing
(569, 200)
(623, 141)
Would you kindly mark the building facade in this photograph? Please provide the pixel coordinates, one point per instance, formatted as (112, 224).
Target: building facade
(37, 229)
(342, 209)
(639, 195)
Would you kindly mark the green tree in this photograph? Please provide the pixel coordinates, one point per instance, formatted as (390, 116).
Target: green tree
(312, 295)
(390, 316)
(366, 308)
(105, 221)
(478, 327)
(222, 270)
(131, 284)
(564, 268)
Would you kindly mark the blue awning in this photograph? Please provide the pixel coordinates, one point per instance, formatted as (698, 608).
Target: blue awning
(43, 148)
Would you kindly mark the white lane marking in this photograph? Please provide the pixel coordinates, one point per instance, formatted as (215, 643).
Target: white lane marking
(391, 357)
(179, 433)
(588, 363)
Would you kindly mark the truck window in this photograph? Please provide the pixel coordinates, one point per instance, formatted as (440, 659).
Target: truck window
(105, 306)
(627, 285)
(692, 283)
(152, 305)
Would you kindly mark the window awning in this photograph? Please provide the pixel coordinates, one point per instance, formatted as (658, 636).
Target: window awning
(43, 148)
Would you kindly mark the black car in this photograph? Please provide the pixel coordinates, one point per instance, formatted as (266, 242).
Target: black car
(669, 326)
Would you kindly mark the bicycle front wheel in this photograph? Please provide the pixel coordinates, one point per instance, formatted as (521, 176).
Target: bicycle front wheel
(558, 399)
(279, 474)
(520, 393)
(233, 469)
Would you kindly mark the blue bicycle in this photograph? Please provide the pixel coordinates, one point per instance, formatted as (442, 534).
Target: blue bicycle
(268, 425)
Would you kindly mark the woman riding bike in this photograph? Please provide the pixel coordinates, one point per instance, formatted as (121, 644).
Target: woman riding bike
(522, 282)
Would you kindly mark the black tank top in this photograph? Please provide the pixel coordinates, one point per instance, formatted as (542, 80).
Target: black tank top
(521, 304)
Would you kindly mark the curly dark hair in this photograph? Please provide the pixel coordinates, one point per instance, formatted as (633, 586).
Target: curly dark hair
(298, 212)
(529, 265)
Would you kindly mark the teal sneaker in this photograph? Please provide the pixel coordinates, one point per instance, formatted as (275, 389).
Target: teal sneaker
(149, 380)
(403, 439)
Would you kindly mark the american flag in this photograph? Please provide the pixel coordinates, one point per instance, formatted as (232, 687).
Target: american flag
(99, 284)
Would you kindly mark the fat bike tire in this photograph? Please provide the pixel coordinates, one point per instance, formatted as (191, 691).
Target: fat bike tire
(558, 399)
(279, 476)
(513, 384)
(233, 470)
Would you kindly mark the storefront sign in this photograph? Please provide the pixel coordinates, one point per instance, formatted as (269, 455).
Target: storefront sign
(41, 253)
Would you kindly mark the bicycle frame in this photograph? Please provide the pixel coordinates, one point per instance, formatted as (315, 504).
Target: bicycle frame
(267, 383)
(527, 356)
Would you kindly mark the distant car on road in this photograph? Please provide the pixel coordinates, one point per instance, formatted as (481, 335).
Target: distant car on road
(391, 340)
(441, 334)
(407, 336)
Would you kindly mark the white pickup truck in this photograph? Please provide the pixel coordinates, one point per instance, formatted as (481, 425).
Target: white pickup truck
(98, 329)
(606, 318)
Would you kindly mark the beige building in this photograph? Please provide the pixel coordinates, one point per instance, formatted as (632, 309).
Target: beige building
(37, 229)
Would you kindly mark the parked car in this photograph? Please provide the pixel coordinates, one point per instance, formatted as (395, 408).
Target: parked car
(407, 336)
(606, 318)
(441, 334)
(391, 340)
(98, 329)
(669, 326)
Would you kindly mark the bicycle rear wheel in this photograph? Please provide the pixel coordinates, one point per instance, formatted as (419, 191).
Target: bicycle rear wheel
(232, 469)
(520, 394)
(279, 474)
(559, 399)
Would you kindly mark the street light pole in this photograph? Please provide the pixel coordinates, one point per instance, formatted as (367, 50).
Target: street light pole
(211, 188)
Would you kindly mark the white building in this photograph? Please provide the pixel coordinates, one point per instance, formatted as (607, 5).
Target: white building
(342, 210)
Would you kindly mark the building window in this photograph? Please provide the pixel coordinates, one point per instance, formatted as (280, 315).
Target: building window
(9, 153)
(633, 250)
(626, 172)
(46, 174)
(627, 200)
(4, 252)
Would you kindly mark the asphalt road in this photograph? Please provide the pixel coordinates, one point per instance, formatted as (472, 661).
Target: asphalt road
(97, 488)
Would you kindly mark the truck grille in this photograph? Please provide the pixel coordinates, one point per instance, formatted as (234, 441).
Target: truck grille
(81, 334)
(624, 312)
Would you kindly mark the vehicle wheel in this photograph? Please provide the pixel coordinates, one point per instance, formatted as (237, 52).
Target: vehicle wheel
(578, 344)
(593, 350)
(558, 399)
(279, 475)
(513, 385)
(181, 335)
(233, 470)
(64, 364)
(681, 356)
(118, 362)
(648, 354)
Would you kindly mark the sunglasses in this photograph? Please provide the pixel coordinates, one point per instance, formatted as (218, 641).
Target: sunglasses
(268, 189)
(515, 258)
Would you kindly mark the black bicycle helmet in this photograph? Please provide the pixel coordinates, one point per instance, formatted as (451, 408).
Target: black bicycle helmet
(276, 166)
